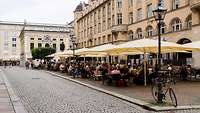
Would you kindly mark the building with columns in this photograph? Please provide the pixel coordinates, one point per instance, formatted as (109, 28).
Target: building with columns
(105, 21)
(18, 38)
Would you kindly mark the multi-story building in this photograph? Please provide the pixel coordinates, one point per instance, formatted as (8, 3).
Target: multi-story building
(117, 21)
(18, 38)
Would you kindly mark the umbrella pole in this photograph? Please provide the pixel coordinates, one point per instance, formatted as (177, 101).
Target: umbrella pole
(84, 58)
(145, 69)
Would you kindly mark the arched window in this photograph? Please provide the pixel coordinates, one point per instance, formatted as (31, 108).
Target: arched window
(149, 31)
(176, 25)
(189, 22)
(130, 35)
(47, 45)
(139, 33)
(163, 28)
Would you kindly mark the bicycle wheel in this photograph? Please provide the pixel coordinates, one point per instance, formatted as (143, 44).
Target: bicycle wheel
(154, 91)
(173, 97)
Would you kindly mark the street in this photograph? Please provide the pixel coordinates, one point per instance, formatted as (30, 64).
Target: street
(41, 92)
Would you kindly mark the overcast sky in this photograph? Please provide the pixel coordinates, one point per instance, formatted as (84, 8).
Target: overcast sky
(40, 11)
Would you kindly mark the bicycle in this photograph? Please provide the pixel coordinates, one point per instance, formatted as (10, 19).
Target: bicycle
(165, 85)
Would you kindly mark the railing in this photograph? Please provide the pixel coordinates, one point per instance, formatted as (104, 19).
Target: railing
(195, 3)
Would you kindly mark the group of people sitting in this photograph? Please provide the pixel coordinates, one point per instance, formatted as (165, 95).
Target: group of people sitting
(119, 74)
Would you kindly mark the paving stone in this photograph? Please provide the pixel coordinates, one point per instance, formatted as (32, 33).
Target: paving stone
(51, 94)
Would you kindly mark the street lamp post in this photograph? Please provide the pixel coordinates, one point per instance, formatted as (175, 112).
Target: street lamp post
(73, 40)
(159, 15)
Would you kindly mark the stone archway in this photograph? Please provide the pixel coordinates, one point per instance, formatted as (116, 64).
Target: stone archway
(183, 58)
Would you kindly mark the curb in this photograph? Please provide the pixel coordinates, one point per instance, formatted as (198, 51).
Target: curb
(140, 103)
(17, 105)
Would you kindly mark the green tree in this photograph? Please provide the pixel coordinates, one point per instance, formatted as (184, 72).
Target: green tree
(41, 53)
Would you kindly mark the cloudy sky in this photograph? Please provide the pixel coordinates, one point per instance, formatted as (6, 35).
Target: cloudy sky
(40, 11)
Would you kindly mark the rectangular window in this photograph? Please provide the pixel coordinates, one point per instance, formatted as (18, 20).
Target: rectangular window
(119, 18)
(175, 4)
(119, 4)
(149, 11)
(39, 45)
(130, 17)
(61, 39)
(39, 38)
(130, 3)
(139, 14)
(14, 39)
(31, 45)
(32, 38)
(14, 45)
(54, 46)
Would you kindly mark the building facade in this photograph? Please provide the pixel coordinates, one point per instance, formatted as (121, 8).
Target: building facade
(18, 38)
(117, 21)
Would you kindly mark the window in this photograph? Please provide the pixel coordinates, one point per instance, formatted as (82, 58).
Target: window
(139, 33)
(131, 35)
(130, 3)
(54, 46)
(175, 4)
(109, 38)
(31, 45)
(113, 19)
(104, 39)
(189, 22)
(32, 38)
(149, 31)
(176, 25)
(162, 28)
(54, 39)
(14, 39)
(139, 14)
(14, 45)
(99, 40)
(119, 18)
(39, 38)
(130, 17)
(47, 45)
(61, 39)
(39, 45)
(119, 4)
(149, 11)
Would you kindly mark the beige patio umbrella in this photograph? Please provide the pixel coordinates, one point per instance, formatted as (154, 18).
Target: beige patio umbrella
(193, 45)
(145, 46)
(97, 49)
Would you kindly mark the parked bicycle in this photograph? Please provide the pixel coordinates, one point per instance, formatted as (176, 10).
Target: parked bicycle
(162, 87)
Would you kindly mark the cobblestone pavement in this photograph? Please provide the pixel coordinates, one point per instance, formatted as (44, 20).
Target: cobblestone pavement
(42, 93)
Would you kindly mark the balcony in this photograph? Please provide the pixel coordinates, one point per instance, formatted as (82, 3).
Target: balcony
(195, 4)
(120, 28)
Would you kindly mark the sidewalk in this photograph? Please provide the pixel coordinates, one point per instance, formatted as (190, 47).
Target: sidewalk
(187, 93)
(9, 101)
(6, 105)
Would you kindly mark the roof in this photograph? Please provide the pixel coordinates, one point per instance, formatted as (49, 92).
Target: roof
(81, 6)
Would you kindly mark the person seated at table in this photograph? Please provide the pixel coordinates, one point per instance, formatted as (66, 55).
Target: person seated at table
(115, 71)
(139, 78)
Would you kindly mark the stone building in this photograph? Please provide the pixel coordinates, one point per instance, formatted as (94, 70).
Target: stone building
(18, 38)
(105, 21)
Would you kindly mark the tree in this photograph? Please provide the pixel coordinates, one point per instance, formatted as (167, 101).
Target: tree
(41, 53)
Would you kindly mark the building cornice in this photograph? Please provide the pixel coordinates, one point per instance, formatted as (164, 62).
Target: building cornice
(46, 31)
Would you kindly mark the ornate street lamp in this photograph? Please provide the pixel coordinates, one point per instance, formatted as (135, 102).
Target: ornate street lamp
(159, 15)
